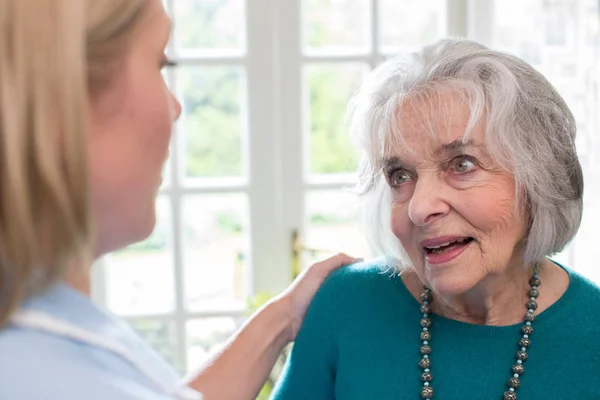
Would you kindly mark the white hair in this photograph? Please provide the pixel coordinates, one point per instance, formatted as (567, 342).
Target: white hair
(529, 131)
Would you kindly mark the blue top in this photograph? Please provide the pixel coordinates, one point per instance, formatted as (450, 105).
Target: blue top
(360, 340)
(36, 364)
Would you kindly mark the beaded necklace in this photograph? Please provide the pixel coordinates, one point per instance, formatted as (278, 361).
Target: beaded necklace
(518, 369)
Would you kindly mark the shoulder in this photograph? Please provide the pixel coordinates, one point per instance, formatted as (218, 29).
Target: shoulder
(580, 302)
(364, 277)
(28, 348)
(363, 274)
(362, 286)
(584, 290)
(33, 362)
(37, 365)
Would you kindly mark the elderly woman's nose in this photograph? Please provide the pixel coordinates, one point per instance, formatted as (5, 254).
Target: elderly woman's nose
(427, 204)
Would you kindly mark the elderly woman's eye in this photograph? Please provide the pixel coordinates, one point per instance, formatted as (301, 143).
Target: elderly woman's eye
(462, 164)
(398, 178)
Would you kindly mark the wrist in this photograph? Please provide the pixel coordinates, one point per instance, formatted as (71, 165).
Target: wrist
(280, 315)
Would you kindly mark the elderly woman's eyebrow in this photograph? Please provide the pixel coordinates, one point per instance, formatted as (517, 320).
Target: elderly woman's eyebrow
(456, 146)
(453, 147)
(394, 162)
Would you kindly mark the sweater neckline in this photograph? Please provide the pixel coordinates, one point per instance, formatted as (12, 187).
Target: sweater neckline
(448, 324)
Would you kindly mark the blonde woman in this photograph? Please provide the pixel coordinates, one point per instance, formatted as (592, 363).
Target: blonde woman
(85, 123)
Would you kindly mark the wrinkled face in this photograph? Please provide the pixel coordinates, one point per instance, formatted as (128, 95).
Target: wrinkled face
(453, 208)
(131, 124)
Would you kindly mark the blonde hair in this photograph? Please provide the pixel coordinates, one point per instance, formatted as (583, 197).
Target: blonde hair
(54, 55)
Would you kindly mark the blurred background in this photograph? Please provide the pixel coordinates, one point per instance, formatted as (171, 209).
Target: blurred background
(257, 186)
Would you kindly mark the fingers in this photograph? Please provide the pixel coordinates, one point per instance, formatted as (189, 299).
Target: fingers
(337, 261)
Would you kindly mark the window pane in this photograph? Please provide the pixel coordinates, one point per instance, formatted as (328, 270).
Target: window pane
(205, 336)
(562, 257)
(561, 38)
(553, 33)
(586, 256)
(330, 87)
(216, 243)
(336, 25)
(409, 23)
(331, 225)
(210, 25)
(212, 122)
(139, 279)
(161, 336)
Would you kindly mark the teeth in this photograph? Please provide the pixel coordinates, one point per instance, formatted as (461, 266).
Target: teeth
(437, 247)
(445, 244)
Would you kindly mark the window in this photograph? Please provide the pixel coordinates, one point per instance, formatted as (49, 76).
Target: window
(257, 184)
(340, 41)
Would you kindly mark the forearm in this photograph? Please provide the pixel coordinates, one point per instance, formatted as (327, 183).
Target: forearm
(241, 369)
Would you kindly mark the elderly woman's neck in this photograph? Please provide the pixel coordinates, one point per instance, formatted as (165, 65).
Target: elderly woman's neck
(499, 299)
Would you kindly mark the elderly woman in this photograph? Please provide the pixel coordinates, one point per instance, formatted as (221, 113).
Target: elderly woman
(470, 181)
(85, 125)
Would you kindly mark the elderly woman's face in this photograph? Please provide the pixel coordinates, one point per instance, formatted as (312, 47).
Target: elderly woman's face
(453, 208)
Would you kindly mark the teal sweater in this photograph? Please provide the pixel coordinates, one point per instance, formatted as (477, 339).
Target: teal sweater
(360, 341)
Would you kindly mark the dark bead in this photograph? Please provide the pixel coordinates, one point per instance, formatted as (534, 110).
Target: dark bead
(427, 392)
(425, 349)
(514, 383)
(526, 330)
(535, 281)
(532, 305)
(522, 355)
(518, 369)
(529, 317)
(425, 363)
(426, 377)
(425, 322)
(534, 293)
(426, 309)
(508, 395)
(426, 296)
(524, 342)
(425, 335)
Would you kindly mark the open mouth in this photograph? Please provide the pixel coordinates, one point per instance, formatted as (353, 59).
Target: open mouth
(448, 246)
